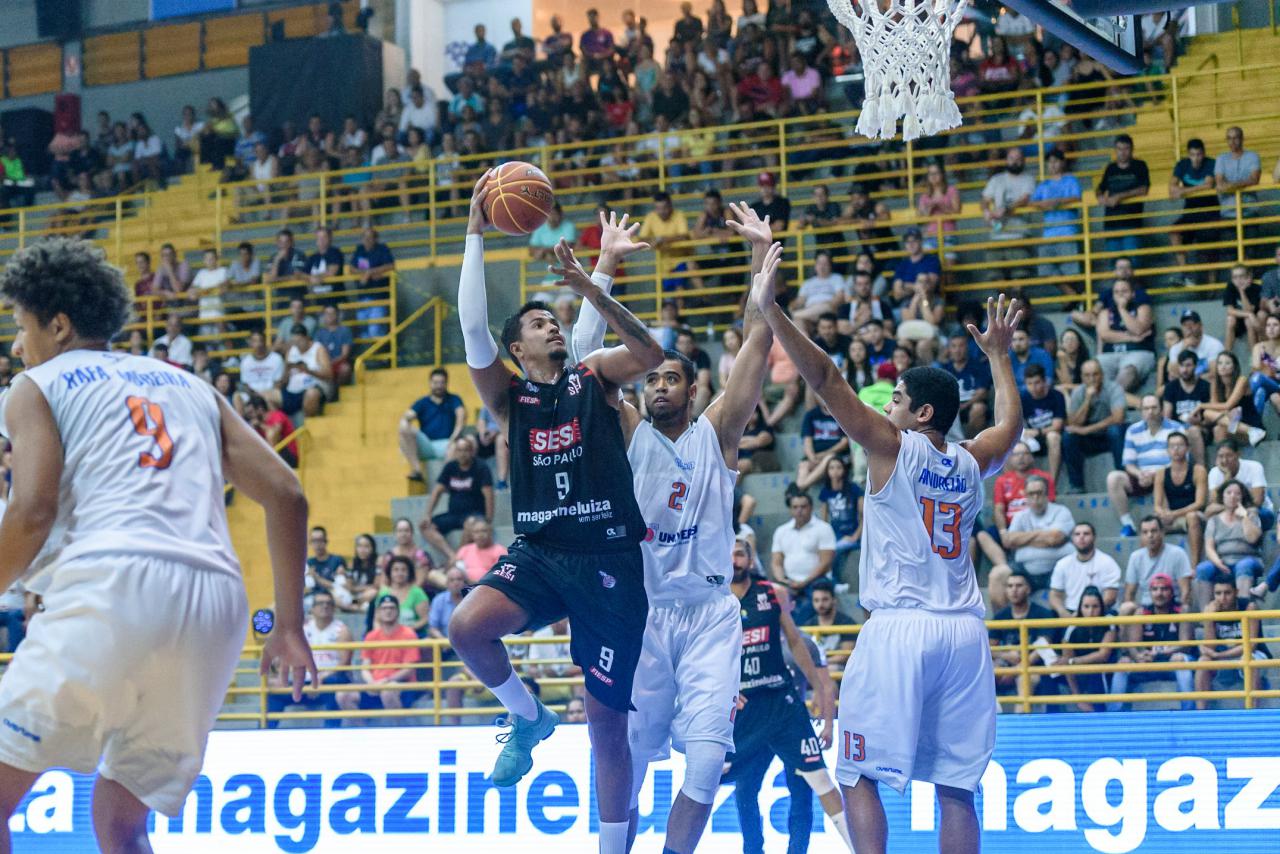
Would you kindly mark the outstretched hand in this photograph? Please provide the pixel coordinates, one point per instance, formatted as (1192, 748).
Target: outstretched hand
(570, 271)
(617, 238)
(748, 224)
(764, 289)
(1001, 323)
(476, 218)
(292, 652)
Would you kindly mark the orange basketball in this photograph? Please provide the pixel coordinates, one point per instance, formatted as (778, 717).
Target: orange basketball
(520, 198)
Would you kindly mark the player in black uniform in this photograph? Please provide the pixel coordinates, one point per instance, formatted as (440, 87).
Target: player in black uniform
(773, 721)
(577, 552)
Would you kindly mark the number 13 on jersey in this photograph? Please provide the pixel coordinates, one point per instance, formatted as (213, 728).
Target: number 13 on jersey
(945, 540)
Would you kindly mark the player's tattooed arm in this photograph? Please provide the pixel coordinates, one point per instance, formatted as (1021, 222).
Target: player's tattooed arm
(639, 352)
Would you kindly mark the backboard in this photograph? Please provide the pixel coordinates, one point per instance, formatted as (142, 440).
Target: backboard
(1093, 27)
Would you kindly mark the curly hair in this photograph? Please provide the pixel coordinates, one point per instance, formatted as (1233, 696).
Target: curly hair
(60, 275)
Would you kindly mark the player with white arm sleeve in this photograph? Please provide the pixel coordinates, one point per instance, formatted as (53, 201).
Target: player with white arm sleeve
(918, 697)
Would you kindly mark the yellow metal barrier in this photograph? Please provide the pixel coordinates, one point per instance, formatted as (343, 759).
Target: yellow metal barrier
(389, 342)
(439, 673)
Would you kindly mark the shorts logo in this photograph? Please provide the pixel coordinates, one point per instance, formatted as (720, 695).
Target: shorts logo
(531, 387)
(615, 533)
(575, 385)
(529, 400)
(552, 439)
(595, 671)
(507, 571)
(888, 769)
(607, 580)
(22, 731)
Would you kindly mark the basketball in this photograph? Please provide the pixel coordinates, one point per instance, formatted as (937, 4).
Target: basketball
(520, 198)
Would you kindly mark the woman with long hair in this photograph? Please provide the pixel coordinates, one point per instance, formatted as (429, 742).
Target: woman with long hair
(939, 200)
(1231, 410)
(426, 573)
(1232, 542)
(858, 371)
(1095, 650)
(841, 501)
(414, 603)
(362, 576)
(1072, 354)
(732, 341)
(1264, 382)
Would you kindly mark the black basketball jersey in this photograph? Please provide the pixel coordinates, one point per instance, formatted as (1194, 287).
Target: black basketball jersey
(571, 482)
(1160, 633)
(762, 664)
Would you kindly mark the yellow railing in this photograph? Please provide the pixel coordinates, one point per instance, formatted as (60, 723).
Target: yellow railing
(389, 343)
(439, 674)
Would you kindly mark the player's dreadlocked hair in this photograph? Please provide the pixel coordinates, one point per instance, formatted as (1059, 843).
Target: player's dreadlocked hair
(60, 275)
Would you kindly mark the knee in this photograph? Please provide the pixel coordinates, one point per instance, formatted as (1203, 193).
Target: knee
(1128, 609)
(121, 833)
(1205, 570)
(1117, 480)
(390, 699)
(1053, 439)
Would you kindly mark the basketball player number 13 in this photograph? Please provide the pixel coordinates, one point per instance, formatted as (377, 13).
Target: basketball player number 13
(932, 509)
(148, 420)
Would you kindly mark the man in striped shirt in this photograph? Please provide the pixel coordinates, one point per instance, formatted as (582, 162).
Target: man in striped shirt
(1146, 451)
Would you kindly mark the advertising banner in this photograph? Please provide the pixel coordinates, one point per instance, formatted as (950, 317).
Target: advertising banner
(1151, 782)
(161, 9)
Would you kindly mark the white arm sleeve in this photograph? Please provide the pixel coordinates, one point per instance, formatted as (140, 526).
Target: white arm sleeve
(588, 332)
(473, 307)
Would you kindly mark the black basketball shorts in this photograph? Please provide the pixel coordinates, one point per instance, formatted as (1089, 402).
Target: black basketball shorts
(774, 721)
(601, 594)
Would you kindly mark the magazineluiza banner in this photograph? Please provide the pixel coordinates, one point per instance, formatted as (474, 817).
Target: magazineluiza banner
(161, 9)
(1150, 782)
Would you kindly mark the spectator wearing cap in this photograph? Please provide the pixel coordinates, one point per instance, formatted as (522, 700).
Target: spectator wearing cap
(770, 204)
(1058, 197)
(1161, 641)
(385, 667)
(878, 393)
(1004, 200)
(1095, 423)
(1146, 453)
(1126, 332)
(321, 629)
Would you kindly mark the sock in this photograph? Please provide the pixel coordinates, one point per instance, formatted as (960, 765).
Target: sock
(842, 828)
(516, 697)
(613, 837)
(1127, 519)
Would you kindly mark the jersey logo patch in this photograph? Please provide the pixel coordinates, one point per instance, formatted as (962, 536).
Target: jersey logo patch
(574, 386)
(507, 571)
(549, 440)
(715, 580)
(528, 400)
(762, 601)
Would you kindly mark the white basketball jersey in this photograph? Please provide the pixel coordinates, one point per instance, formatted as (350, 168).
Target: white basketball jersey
(685, 493)
(142, 462)
(915, 538)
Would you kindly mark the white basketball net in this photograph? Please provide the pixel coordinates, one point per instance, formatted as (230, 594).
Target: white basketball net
(905, 47)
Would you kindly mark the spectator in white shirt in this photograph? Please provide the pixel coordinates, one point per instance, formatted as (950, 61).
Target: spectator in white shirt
(803, 548)
(1088, 567)
(207, 288)
(824, 292)
(262, 369)
(421, 112)
(1039, 536)
(1206, 347)
(1229, 466)
(179, 345)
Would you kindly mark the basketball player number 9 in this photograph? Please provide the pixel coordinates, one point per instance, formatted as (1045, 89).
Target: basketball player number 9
(932, 509)
(148, 420)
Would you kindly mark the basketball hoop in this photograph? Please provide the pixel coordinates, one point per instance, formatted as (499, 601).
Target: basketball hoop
(906, 57)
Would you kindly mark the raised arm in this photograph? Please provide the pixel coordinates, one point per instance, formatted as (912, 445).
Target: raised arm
(489, 373)
(731, 411)
(992, 445)
(638, 353)
(862, 424)
(617, 241)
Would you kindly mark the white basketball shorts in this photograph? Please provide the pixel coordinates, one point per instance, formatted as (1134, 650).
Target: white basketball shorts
(124, 671)
(918, 701)
(686, 683)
